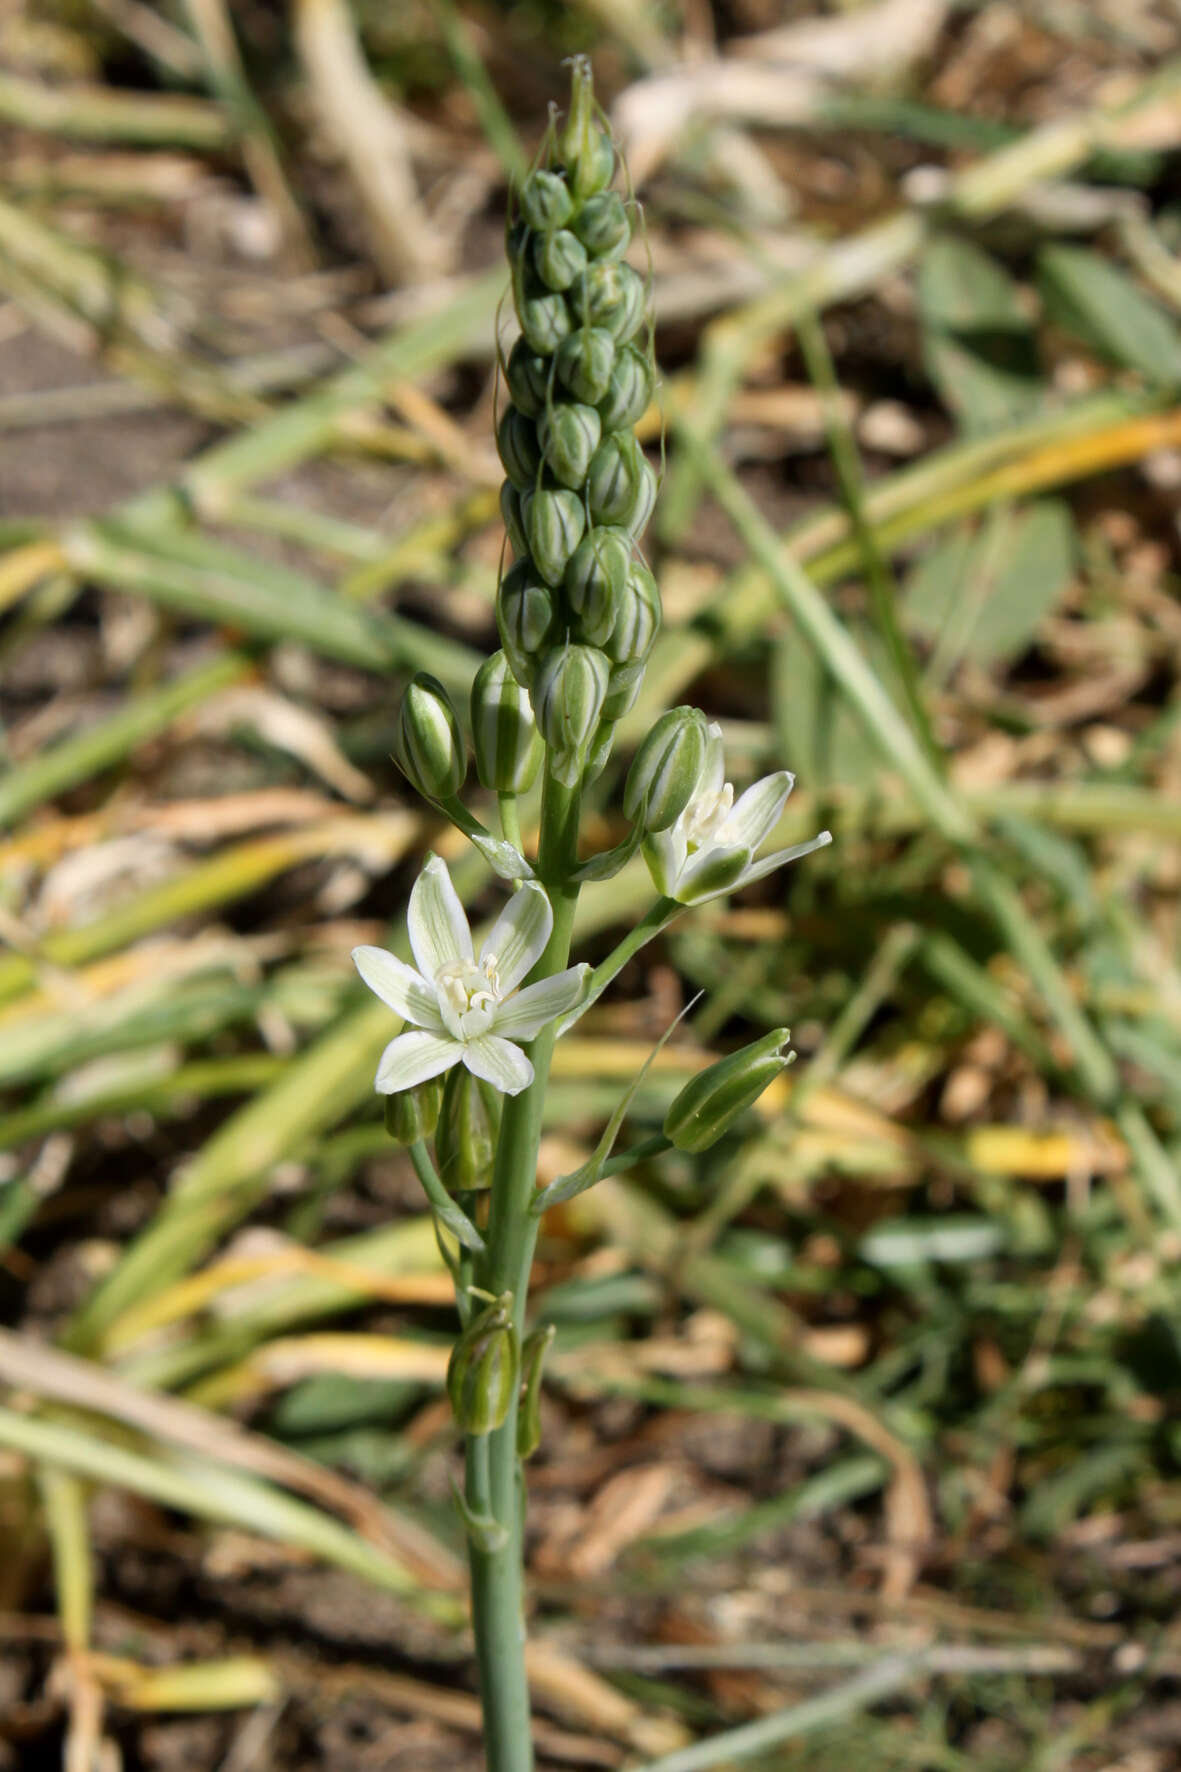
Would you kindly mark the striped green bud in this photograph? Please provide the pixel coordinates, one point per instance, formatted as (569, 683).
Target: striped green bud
(506, 740)
(467, 1131)
(545, 321)
(558, 258)
(708, 1106)
(583, 145)
(612, 296)
(569, 435)
(628, 392)
(638, 621)
(528, 378)
(533, 1353)
(525, 617)
(483, 1371)
(620, 484)
(412, 1114)
(513, 517)
(666, 769)
(623, 688)
(585, 362)
(594, 581)
(554, 523)
(545, 200)
(568, 694)
(429, 749)
(602, 225)
(518, 448)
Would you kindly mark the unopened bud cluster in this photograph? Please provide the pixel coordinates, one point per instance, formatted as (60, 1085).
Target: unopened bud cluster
(577, 610)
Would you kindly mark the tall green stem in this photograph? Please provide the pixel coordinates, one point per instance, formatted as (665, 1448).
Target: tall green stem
(494, 1480)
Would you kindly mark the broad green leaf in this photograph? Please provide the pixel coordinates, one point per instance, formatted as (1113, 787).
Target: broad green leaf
(978, 344)
(984, 594)
(1100, 304)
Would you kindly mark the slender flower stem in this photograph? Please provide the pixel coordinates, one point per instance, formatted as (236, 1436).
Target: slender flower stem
(494, 1480)
(656, 919)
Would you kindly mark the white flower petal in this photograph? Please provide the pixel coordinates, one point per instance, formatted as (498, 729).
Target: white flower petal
(414, 1058)
(500, 1063)
(438, 928)
(665, 853)
(399, 987)
(713, 770)
(518, 936)
(524, 1015)
(760, 869)
(757, 811)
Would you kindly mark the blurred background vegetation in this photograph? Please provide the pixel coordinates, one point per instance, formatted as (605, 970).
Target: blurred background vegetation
(895, 1371)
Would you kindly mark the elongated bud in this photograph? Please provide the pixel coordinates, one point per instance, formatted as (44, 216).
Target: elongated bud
(484, 1368)
(612, 296)
(528, 378)
(507, 743)
(708, 1106)
(584, 147)
(545, 200)
(533, 1353)
(467, 1131)
(602, 225)
(568, 694)
(569, 435)
(594, 582)
(412, 1114)
(526, 619)
(430, 750)
(585, 363)
(628, 392)
(637, 622)
(621, 484)
(554, 522)
(558, 258)
(518, 447)
(666, 770)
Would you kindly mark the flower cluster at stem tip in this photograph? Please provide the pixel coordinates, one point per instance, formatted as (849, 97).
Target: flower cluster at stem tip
(578, 612)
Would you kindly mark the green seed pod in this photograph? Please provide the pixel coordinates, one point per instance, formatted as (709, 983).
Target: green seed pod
(666, 769)
(638, 620)
(620, 483)
(507, 743)
(533, 1353)
(518, 448)
(628, 393)
(467, 1131)
(554, 523)
(545, 200)
(708, 1106)
(594, 581)
(612, 296)
(585, 362)
(602, 225)
(525, 617)
(484, 1369)
(429, 749)
(568, 694)
(545, 321)
(412, 1114)
(528, 378)
(569, 435)
(584, 147)
(512, 517)
(558, 258)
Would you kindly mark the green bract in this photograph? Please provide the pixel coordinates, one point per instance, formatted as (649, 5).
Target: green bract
(707, 1107)
(465, 1137)
(504, 734)
(429, 749)
(482, 1374)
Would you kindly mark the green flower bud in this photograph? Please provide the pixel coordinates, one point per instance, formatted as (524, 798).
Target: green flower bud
(412, 1114)
(528, 378)
(518, 448)
(568, 694)
(602, 225)
(612, 296)
(594, 581)
(513, 518)
(525, 617)
(584, 147)
(483, 1371)
(569, 435)
(533, 1353)
(637, 622)
(620, 484)
(629, 390)
(507, 743)
(585, 362)
(467, 1131)
(666, 769)
(430, 750)
(623, 687)
(558, 258)
(545, 321)
(545, 200)
(554, 522)
(708, 1106)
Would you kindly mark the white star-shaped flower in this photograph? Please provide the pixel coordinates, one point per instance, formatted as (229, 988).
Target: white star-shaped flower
(466, 1010)
(711, 847)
